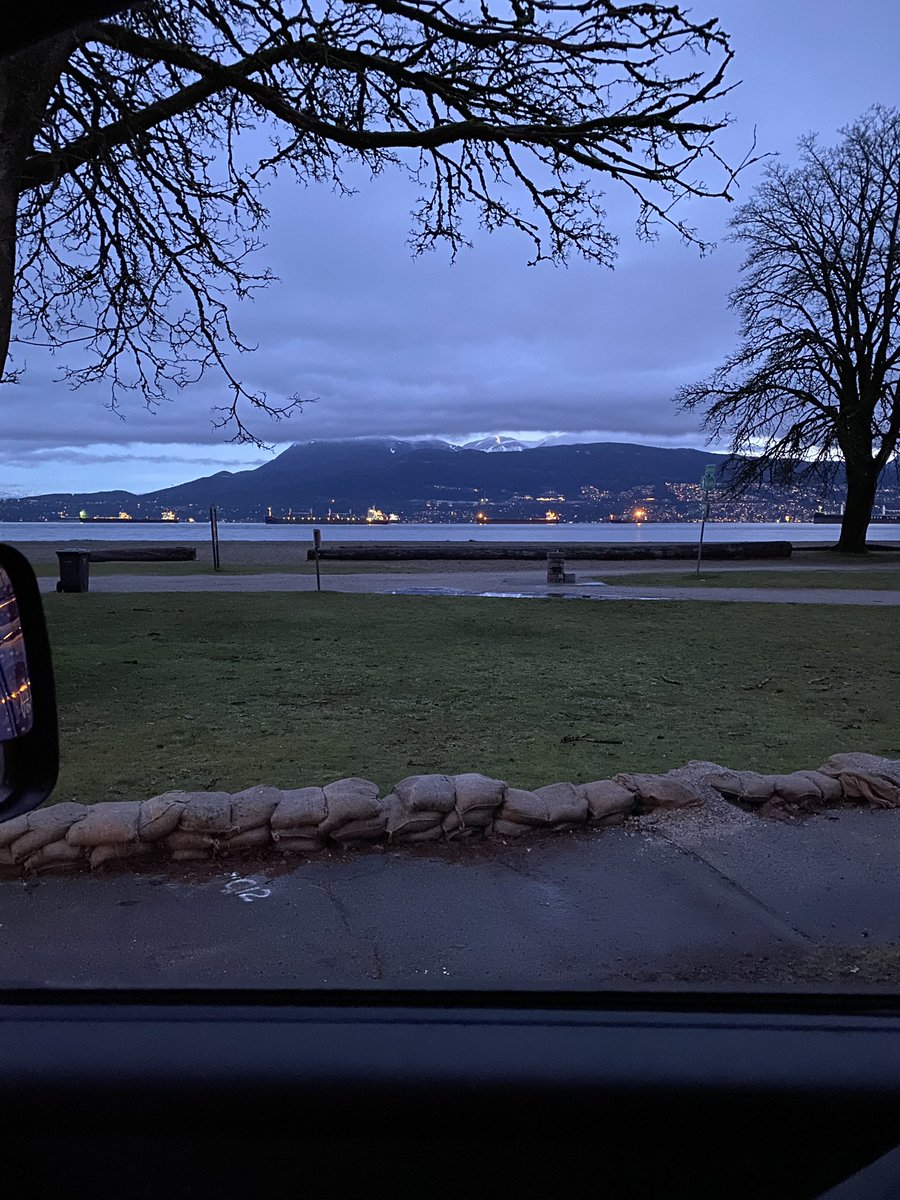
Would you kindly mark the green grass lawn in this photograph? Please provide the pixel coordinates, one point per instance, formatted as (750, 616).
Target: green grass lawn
(224, 691)
(878, 577)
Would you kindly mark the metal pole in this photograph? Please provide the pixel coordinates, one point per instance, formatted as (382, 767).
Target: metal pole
(702, 528)
(707, 483)
(317, 542)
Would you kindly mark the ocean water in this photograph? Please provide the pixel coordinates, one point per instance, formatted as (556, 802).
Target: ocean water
(73, 532)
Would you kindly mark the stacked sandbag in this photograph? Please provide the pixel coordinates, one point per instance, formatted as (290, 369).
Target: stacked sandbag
(251, 812)
(865, 777)
(559, 806)
(744, 787)
(108, 832)
(9, 831)
(160, 816)
(297, 819)
(659, 791)
(354, 813)
(38, 839)
(768, 793)
(205, 823)
(417, 808)
(804, 788)
(476, 800)
(420, 808)
(830, 788)
(608, 802)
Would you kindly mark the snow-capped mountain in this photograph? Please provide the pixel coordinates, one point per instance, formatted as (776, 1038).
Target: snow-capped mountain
(496, 443)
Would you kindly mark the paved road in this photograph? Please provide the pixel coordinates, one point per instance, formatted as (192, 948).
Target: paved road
(476, 583)
(713, 895)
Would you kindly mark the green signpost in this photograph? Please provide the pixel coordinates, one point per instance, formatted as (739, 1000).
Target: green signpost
(708, 486)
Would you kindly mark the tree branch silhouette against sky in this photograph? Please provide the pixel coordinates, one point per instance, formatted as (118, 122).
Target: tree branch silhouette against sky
(391, 343)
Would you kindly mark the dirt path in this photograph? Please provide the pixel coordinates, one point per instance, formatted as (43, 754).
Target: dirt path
(510, 583)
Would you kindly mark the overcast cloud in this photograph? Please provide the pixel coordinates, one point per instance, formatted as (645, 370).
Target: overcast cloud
(388, 344)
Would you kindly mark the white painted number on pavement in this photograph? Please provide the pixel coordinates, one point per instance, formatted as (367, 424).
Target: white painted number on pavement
(246, 889)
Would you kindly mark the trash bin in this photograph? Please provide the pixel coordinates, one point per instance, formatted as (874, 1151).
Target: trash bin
(74, 570)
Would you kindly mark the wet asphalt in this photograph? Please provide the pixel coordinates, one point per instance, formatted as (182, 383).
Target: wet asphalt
(503, 583)
(715, 895)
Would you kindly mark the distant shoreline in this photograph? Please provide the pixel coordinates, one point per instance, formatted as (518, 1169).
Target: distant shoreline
(63, 533)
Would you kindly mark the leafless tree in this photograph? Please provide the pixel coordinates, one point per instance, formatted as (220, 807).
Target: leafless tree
(817, 375)
(131, 198)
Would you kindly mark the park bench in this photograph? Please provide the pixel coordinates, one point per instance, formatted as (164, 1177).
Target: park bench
(74, 565)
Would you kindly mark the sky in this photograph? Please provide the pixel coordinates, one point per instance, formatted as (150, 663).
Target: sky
(387, 344)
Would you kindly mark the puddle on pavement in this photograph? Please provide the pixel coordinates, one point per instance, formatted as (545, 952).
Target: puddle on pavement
(517, 595)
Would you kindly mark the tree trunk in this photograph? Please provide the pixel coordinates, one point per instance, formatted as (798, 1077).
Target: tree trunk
(27, 80)
(9, 201)
(862, 483)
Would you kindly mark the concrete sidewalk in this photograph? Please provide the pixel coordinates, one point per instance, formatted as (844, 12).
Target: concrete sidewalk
(471, 583)
(712, 895)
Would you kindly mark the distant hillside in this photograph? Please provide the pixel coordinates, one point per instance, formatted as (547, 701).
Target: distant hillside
(392, 475)
(430, 480)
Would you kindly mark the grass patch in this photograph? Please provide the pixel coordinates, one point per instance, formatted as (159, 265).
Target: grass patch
(225, 691)
(880, 578)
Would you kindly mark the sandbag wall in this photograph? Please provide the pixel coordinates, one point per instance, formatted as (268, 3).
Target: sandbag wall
(189, 826)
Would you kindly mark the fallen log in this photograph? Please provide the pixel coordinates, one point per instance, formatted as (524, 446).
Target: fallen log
(144, 554)
(584, 551)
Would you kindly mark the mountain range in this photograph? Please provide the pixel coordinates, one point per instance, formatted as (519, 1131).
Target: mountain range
(432, 480)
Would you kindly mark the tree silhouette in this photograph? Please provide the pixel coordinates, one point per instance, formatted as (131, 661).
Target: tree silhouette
(817, 374)
(131, 195)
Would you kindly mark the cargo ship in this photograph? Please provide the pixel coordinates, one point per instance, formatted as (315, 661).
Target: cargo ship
(120, 520)
(374, 517)
(295, 520)
(885, 518)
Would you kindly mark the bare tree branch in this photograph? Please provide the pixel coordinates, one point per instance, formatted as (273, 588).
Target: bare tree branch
(134, 204)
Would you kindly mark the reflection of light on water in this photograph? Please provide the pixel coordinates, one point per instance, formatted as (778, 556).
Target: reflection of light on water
(554, 595)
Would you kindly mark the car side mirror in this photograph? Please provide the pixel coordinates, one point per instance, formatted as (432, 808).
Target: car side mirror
(29, 739)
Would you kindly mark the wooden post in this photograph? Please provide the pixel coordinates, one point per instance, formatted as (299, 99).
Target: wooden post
(317, 543)
(214, 533)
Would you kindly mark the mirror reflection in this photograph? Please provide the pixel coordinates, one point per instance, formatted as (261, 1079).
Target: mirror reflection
(16, 714)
